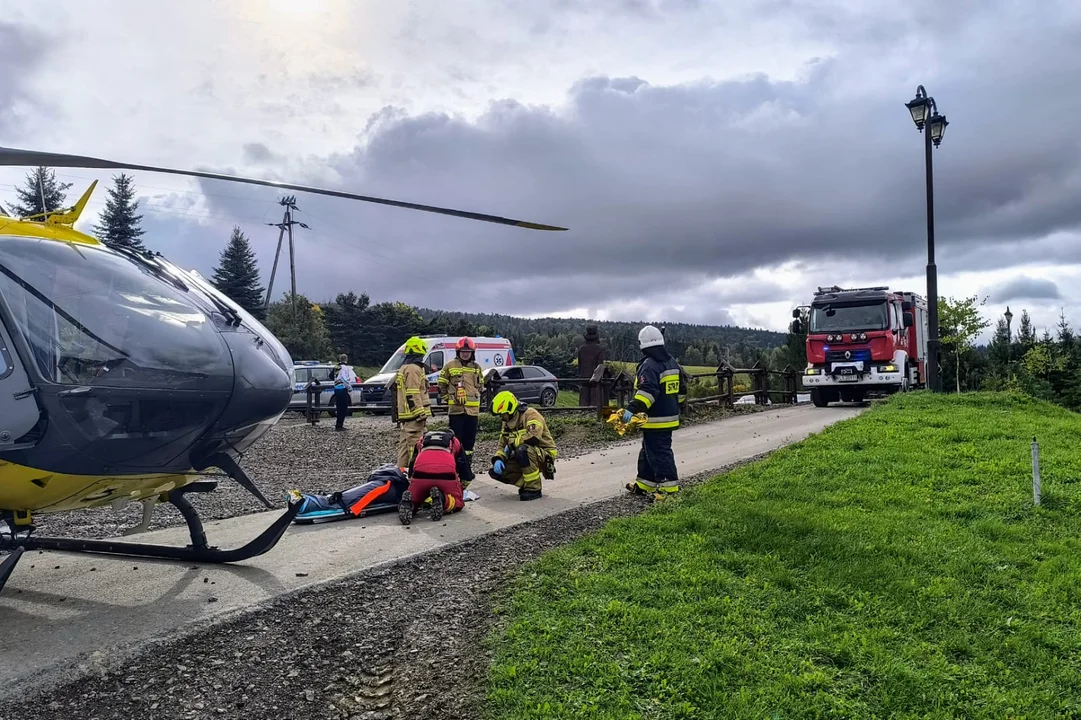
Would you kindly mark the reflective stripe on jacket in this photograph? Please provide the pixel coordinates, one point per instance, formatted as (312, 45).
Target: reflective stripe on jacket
(526, 428)
(413, 402)
(657, 393)
(471, 377)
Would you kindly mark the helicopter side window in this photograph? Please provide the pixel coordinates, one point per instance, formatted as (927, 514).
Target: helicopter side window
(93, 317)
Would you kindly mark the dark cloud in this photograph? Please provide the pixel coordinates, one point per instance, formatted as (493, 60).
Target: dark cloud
(1024, 288)
(22, 50)
(668, 187)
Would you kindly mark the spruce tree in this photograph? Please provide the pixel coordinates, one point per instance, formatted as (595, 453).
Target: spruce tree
(38, 180)
(237, 274)
(119, 226)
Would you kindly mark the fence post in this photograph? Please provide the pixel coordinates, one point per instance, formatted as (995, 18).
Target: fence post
(757, 376)
(790, 384)
(1035, 472)
(730, 385)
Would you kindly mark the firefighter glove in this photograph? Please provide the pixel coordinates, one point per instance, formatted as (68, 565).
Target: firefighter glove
(498, 467)
(627, 416)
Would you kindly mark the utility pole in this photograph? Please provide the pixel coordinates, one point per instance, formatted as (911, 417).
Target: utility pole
(289, 202)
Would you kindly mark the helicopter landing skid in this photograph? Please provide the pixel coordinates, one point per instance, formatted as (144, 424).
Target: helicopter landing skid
(198, 551)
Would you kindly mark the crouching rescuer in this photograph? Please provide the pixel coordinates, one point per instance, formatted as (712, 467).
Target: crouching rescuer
(433, 472)
(528, 450)
(658, 388)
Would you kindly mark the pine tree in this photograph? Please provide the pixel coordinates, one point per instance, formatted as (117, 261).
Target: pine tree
(237, 274)
(1026, 336)
(41, 180)
(119, 226)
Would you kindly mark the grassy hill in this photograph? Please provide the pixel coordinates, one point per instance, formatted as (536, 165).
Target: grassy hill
(891, 566)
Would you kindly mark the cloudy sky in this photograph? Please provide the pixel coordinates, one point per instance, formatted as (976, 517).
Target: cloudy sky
(714, 161)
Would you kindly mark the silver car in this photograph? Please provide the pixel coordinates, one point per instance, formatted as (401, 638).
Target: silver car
(543, 388)
(303, 372)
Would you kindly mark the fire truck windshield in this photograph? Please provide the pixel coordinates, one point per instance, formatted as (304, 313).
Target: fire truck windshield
(848, 318)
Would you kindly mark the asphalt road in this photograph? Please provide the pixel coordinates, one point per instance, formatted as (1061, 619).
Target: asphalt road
(64, 614)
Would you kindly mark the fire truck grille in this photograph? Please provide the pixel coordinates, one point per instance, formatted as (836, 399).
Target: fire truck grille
(839, 356)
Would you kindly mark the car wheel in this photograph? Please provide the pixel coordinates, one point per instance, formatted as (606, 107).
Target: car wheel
(548, 397)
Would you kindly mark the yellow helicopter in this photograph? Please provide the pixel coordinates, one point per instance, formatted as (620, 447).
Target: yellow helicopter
(125, 378)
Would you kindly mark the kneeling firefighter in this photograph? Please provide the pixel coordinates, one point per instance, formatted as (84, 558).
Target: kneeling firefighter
(433, 473)
(460, 384)
(658, 389)
(528, 452)
(412, 406)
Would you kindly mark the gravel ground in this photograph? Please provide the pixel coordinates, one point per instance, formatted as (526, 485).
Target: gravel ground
(295, 454)
(401, 641)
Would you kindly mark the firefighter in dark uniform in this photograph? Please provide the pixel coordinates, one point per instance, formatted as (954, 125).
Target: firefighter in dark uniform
(460, 384)
(658, 388)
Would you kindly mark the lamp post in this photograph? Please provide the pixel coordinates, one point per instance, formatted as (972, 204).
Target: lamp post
(925, 113)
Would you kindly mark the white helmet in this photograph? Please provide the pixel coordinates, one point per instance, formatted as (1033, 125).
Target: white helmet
(649, 336)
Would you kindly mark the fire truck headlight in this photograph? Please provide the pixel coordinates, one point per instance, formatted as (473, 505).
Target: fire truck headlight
(860, 336)
(811, 371)
(888, 368)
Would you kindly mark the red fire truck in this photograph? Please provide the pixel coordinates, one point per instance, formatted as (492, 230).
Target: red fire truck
(861, 342)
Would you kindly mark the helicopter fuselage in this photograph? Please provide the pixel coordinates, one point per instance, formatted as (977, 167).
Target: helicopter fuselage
(122, 377)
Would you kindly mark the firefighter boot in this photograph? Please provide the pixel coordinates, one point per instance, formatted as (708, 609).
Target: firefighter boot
(524, 494)
(437, 503)
(405, 508)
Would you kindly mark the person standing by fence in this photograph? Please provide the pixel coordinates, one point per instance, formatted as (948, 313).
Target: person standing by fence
(343, 386)
(590, 357)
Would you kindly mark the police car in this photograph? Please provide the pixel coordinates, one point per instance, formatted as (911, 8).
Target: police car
(304, 371)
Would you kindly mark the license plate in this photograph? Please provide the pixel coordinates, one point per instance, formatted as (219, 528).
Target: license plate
(848, 378)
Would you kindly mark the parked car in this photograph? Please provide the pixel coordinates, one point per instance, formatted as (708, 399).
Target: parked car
(304, 371)
(543, 390)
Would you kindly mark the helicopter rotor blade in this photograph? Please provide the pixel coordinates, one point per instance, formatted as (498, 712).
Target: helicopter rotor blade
(13, 157)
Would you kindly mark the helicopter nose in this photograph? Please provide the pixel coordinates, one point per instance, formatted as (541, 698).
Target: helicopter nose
(262, 388)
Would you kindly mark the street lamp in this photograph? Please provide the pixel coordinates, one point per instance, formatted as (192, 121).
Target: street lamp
(925, 113)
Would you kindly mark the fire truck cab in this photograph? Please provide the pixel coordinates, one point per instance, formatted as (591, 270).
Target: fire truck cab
(861, 342)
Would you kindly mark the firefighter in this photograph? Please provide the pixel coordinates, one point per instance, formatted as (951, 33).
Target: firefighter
(412, 406)
(658, 388)
(528, 450)
(460, 383)
(433, 476)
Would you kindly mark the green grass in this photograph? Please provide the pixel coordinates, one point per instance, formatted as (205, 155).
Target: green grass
(892, 566)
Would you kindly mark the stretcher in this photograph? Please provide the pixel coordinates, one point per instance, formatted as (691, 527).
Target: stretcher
(380, 494)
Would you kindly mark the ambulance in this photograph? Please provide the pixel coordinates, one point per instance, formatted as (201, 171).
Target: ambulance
(377, 392)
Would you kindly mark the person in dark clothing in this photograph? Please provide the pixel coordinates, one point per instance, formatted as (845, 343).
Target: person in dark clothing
(590, 357)
(344, 380)
(658, 387)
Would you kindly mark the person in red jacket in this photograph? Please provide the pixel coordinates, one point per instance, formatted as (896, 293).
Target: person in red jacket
(433, 472)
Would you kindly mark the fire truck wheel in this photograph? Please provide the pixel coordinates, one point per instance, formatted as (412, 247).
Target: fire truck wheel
(819, 398)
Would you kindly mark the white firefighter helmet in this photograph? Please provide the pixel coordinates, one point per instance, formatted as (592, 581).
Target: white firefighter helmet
(649, 336)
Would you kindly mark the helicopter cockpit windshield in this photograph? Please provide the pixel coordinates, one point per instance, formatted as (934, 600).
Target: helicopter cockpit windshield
(94, 317)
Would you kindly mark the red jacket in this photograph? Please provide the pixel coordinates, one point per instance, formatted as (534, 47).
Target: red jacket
(435, 457)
